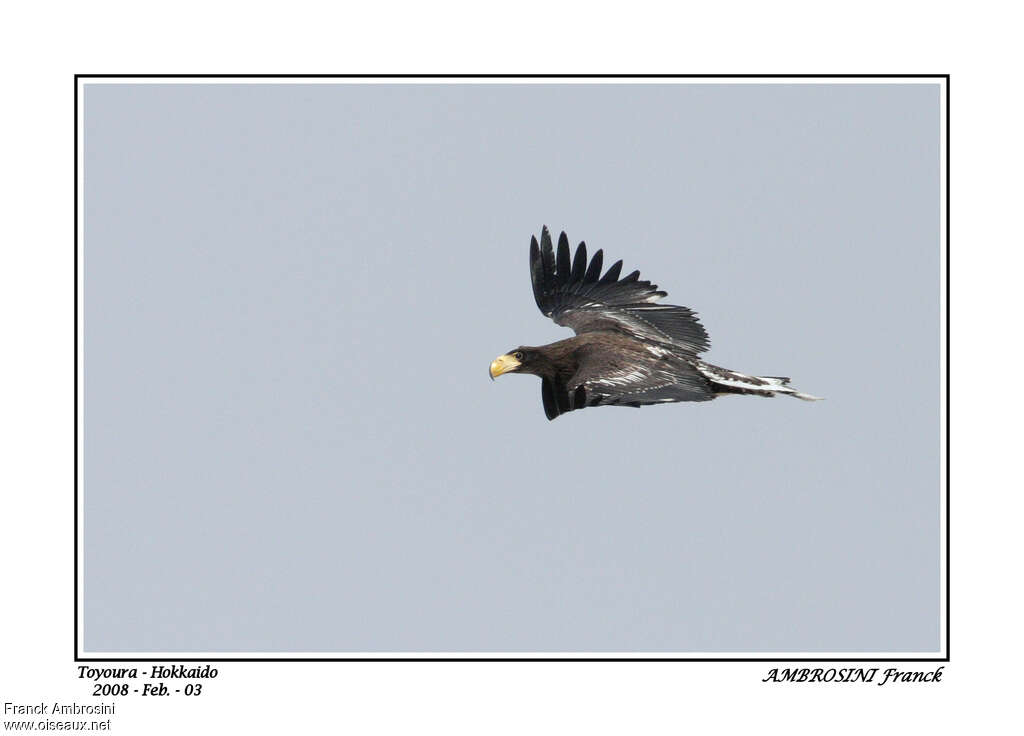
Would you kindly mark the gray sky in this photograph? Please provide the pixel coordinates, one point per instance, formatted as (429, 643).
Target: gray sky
(292, 293)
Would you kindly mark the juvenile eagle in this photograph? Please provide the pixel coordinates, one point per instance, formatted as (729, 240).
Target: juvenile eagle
(628, 350)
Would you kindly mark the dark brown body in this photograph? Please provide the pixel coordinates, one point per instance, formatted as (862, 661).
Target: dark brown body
(608, 368)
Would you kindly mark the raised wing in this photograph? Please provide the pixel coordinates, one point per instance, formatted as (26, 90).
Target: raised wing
(573, 293)
(638, 383)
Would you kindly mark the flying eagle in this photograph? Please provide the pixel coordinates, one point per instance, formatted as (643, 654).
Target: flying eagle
(628, 350)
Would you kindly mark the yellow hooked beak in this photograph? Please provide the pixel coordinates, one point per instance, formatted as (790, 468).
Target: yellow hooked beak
(503, 364)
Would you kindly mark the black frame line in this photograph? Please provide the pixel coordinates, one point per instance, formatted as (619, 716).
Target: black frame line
(938, 77)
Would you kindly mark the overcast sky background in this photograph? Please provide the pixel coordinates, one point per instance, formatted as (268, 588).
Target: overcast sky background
(292, 294)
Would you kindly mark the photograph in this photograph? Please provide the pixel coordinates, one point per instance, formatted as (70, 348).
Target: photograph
(288, 289)
(740, 278)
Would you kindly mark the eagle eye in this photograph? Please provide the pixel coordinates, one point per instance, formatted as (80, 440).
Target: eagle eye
(518, 355)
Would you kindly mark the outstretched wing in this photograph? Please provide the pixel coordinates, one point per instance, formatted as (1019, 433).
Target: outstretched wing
(603, 382)
(574, 294)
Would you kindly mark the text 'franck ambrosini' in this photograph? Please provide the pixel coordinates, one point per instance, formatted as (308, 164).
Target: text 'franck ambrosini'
(58, 709)
(853, 674)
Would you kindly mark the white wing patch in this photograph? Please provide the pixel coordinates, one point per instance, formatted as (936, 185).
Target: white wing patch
(644, 379)
(623, 377)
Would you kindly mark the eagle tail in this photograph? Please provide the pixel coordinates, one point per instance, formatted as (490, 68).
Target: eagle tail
(806, 397)
(730, 382)
(781, 385)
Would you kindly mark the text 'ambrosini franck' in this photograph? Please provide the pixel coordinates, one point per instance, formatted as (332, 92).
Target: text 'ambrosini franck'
(852, 674)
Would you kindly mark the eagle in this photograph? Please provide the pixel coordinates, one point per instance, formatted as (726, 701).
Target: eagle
(629, 350)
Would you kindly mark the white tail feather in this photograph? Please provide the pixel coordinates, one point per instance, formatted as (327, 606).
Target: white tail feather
(758, 385)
